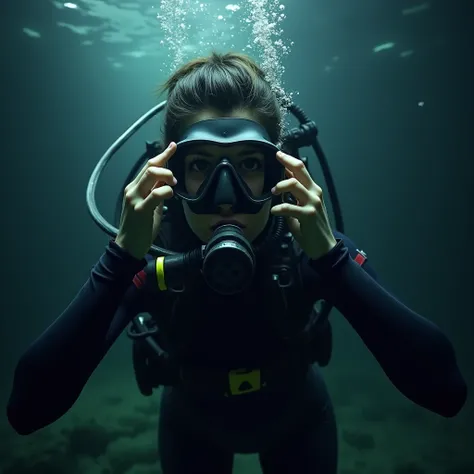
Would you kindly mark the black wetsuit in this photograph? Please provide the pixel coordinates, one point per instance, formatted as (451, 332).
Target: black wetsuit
(293, 428)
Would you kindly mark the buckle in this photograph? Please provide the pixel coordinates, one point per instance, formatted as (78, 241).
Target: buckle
(361, 257)
(245, 381)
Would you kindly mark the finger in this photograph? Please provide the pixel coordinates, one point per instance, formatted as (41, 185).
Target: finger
(162, 158)
(154, 199)
(153, 178)
(159, 160)
(291, 210)
(293, 186)
(296, 167)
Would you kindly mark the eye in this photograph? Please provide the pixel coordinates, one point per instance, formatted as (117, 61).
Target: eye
(251, 164)
(198, 165)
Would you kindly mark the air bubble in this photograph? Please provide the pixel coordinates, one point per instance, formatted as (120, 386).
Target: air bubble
(262, 17)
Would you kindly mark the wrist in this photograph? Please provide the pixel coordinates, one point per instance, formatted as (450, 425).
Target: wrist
(330, 263)
(322, 251)
(119, 241)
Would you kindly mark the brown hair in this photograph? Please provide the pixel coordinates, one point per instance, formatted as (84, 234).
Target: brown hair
(221, 82)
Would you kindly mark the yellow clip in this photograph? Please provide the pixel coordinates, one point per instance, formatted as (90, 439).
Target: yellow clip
(244, 381)
(160, 273)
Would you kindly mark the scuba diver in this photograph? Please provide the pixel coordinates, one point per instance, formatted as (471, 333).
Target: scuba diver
(224, 268)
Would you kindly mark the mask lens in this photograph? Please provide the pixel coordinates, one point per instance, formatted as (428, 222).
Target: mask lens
(256, 168)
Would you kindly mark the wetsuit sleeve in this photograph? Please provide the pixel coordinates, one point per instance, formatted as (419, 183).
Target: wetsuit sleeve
(413, 352)
(51, 374)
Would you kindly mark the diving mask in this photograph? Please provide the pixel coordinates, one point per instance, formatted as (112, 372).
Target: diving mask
(240, 169)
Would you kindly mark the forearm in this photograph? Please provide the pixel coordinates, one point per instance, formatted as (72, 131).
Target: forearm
(53, 371)
(413, 352)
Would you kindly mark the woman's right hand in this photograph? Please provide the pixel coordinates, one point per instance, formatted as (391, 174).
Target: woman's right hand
(142, 208)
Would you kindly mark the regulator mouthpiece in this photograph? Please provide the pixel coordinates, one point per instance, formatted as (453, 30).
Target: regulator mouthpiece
(229, 261)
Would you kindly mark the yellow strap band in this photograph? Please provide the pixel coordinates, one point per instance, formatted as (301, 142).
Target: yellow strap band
(160, 273)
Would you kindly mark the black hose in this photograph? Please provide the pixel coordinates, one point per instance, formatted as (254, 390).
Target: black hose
(336, 206)
(299, 114)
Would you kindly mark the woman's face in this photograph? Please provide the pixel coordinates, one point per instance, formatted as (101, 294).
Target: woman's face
(244, 156)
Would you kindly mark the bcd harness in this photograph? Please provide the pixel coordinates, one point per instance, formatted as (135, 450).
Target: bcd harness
(307, 334)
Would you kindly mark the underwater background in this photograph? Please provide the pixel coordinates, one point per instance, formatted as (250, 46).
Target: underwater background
(390, 85)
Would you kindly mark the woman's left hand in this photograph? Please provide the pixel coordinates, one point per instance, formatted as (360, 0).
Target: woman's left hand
(307, 219)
